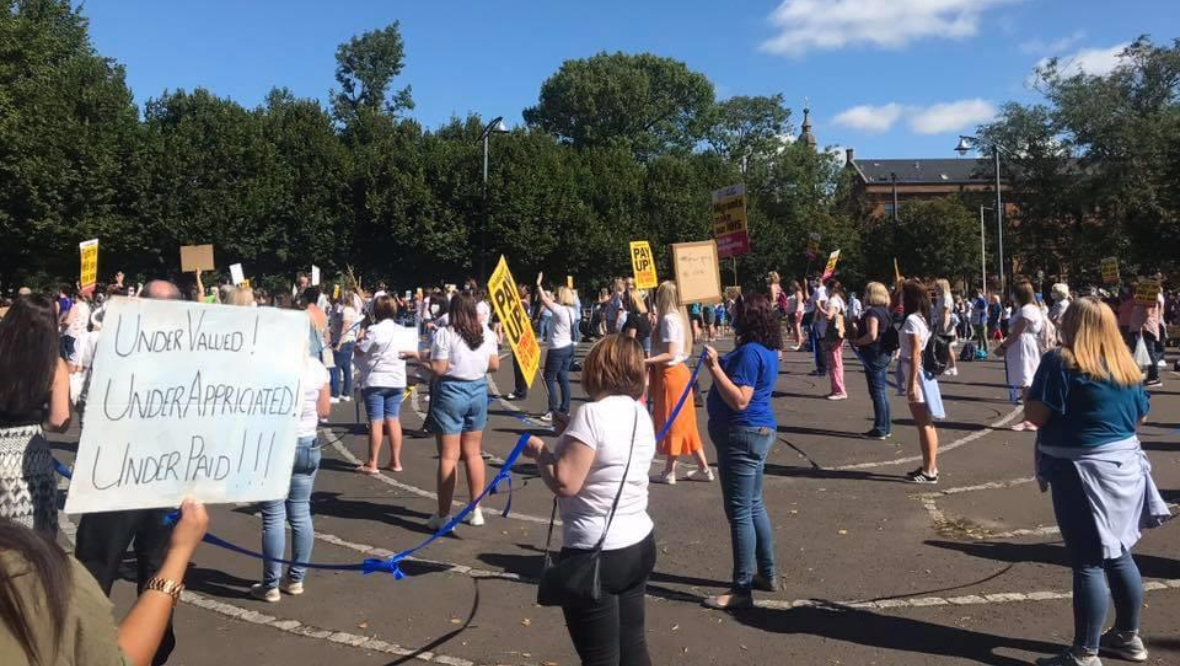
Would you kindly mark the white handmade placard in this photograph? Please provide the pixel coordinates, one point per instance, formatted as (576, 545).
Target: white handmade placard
(190, 399)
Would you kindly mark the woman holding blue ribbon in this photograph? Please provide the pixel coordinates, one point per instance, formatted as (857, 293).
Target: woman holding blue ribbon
(1087, 400)
(742, 426)
(599, 474)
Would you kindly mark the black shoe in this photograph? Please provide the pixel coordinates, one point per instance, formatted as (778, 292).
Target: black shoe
(516, 396)
(765, 583)
(1151, 383)
(873, 434)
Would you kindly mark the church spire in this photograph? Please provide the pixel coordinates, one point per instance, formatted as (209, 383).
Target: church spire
(806, 136)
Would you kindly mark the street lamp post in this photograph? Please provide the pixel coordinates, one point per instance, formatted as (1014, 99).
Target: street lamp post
(497, 126)
(965, 145)
(983, 250)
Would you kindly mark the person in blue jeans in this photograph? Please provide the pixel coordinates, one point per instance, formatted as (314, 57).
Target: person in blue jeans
(344, 332)
(1087, 400)
(742, 426)
(562, 321)
(873, 325)
(296, 509)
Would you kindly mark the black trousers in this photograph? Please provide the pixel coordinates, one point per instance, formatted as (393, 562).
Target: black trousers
(102, 543)
(611, 632)
(522, 387)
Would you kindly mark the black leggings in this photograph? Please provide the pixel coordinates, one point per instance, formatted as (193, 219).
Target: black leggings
(611, 632)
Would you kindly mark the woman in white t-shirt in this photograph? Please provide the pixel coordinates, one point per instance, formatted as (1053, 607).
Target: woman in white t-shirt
(344, 316)
(922, 392)
(461, 355)
(296, 509)
(833, 311)
(561, 346)
(381, 353)
(604, 452)
(944, 303)
(670, 379)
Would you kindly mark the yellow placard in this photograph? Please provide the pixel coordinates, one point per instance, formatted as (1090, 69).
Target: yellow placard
(896, 270)
(89, 273)
(245, 284)
(730, 227)
(831, 267)
(1110, 270)
(569, 282)
(1147, 293)
(643, 265)
(336, 291)
(515, 320)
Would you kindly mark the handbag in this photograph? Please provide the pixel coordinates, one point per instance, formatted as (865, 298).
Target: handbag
(575, 578)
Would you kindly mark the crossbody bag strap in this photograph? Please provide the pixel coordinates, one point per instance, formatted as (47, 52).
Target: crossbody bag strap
(622, 484)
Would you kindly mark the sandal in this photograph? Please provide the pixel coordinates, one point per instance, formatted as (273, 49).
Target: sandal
(730, 601)
(366, 470)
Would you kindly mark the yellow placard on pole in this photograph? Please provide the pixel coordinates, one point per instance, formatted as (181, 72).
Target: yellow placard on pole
(643, 265)
(1147, 293)
(569, 282)
(89, 273)
(1110, 270)
(515, 320)
(831, 267)
(896, 270)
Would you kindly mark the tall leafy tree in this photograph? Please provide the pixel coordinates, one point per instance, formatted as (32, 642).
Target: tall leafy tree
(365, 69)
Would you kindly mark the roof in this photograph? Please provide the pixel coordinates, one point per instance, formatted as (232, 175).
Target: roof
(940, 170)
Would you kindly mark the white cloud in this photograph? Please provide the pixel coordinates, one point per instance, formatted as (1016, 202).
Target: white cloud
(1055, 47)
(952, 116)
(1095, 62)
(805, 25)
(870, 119)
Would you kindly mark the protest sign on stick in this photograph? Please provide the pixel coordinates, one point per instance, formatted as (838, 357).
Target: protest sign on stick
(643, 265)
(236, 274)
(1147, 293)
(315, 275)
(196, 258)
(1110, 270)
(515, 320)
(830, 269)
(730, 227)
(89, 273)
(698, 276)
(190, 399)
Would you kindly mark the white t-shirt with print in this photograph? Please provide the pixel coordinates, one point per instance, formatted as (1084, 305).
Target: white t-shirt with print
(672, 332)
(606, 426)
(463, 362)
(914, 325)
(315, 377)
(381, 357)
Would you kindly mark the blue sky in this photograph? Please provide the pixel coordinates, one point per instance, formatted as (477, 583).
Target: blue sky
(891, 78)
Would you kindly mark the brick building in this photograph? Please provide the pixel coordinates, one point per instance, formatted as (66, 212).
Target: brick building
(884, 183)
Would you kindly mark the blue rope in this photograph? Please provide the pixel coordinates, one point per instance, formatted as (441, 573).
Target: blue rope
(61, 469)
(680, 403)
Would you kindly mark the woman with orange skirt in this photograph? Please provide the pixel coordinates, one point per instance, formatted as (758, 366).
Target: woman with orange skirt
(670, 378)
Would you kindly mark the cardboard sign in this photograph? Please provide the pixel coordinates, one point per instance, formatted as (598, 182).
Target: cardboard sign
(315, 275)
(196, 258)
(1110, 270)
(812, 250)
(643, 265)
(515, 320)
(190, 399)
(831, 267)
(237, 274)
(89, 272)
(730, 226)
(698, 275)
(1147, 293)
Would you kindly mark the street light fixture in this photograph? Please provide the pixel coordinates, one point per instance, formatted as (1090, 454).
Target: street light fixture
(966, 143)
(497, 126)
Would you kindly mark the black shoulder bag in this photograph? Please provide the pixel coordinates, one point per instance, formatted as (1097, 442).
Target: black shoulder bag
(575, 579)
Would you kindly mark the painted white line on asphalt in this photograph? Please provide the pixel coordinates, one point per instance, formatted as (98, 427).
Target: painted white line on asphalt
(991, 485)
(966, 439)
(383, 478)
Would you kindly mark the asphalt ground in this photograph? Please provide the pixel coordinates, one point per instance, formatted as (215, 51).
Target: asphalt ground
(876, 570)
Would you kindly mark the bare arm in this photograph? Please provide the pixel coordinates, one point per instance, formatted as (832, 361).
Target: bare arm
(915, 363)
(564, 474)
(1036, 413)
(871, 333)
(58, 418)
(323, 402)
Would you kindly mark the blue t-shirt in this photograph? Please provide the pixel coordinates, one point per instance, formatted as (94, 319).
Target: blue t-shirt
(749, 365)
(1085, 412)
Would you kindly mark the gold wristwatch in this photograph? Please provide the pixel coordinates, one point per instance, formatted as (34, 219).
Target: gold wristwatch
(169, 587)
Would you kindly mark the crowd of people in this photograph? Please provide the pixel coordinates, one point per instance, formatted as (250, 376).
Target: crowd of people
(1081, 366)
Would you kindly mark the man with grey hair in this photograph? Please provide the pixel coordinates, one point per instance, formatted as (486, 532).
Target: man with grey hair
(103, 538)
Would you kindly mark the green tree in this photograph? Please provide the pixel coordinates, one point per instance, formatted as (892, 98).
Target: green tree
(745, 128)
(648, 104)
(938, 238)
(365, 69)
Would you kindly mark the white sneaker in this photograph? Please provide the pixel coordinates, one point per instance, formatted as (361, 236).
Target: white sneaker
(334, 401)
(346, 398)
(1161, 364)
(666, 478)
(268, 594)
(291, 587)
(475, 518)
(436, 521)
(704, 474)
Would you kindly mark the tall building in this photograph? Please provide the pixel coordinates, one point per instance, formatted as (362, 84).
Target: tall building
(888, 184)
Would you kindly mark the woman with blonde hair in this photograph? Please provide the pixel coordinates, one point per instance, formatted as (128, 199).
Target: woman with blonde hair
(876, 357)
(942, 321)
(561, 346)
(670, 378)
(242, 296)
(1087, 399)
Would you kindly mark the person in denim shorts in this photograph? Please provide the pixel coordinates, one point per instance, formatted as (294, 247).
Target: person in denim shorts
(381, 354)
(461, 355)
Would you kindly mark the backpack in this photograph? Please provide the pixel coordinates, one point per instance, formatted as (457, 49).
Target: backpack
(936, 356)
(968, 353)
(890, 341)
(1047, 338)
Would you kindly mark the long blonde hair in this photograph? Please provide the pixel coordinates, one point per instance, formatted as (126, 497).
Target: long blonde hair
(668, 303)
(1093, 345)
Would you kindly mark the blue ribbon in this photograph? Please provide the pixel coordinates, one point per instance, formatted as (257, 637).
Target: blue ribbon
(680, 403)
(390, 565)
(61, 469)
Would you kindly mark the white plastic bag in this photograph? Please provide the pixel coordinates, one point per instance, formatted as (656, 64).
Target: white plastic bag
(1142, 358)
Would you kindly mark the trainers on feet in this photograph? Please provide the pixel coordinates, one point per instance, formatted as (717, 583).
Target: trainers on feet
(262, 593)
(704, 474)
(547, 417)
(1068, 658)
(334, 401)
(838, 396)
(1124, 645)
(1153, 383)
(873, 434)
(346, 398)
(514, 396)
(291, 587)
(475, 518)
(666, 478)
(927, 478)
(436, 521)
